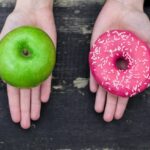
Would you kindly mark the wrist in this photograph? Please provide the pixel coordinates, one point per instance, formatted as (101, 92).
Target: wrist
(27, 5)
(138, 4)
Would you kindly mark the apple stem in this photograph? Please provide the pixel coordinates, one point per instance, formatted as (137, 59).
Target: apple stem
(26, 52)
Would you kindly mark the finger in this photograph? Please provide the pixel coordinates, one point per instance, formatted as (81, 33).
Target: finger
(133, 23)
(101, 25)
(35, 103)
(110, 107)
(93, 84)
(14, 105)
(100, 100)
(48, 25)
(8, 26)
(45, 90)
(121, 106)
(25, 108)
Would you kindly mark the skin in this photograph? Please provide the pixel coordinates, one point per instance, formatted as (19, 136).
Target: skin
(25, 104)
(128, 15)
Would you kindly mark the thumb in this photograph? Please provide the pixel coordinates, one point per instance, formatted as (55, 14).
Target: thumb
(10, 24)
(101, 25)
(140, 25)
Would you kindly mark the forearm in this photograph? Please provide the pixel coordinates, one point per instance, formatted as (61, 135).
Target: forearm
(133, 3)
(33, 4)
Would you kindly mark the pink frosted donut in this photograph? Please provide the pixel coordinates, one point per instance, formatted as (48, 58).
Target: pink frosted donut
(120, 63)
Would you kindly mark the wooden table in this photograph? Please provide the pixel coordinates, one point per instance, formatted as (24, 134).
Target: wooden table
(68, 121)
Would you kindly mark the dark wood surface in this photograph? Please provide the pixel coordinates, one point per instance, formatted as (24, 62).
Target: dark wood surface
(68, 121)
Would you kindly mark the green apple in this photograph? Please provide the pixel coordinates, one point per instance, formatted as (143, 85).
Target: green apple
(27, 57)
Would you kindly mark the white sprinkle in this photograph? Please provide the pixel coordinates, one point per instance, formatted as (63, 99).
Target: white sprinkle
(107, 83)
(132, 39)
(109, 89)
(100, 41)
(134, 88)
(139, 90)
(144, 47)
(118, 34)
(146, 76)
(147, 68)
(97, 50)
(125, 37)
(127, 86)
(94, 62)
(116, 38)
(148, 85)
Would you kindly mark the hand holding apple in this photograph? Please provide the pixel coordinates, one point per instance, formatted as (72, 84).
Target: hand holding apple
(25, 104)
(27, 57)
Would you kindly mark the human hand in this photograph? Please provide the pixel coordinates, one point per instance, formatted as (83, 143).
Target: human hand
(25, 104)
(117, 14)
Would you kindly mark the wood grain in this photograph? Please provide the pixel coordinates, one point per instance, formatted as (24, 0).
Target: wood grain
(68, 121)
(62, 3)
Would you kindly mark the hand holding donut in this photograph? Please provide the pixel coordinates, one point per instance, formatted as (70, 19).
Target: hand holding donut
(120, 63)
(118, 15)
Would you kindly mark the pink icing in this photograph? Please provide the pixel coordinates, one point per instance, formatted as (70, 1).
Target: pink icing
(102, 59)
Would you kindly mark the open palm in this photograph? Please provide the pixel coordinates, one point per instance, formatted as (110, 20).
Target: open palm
(116, 15)
(25, 104)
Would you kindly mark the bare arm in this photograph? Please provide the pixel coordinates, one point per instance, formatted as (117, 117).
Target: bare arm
(34, 4)
(132, 3)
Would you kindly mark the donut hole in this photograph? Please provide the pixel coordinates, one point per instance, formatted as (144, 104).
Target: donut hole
(122, 63)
